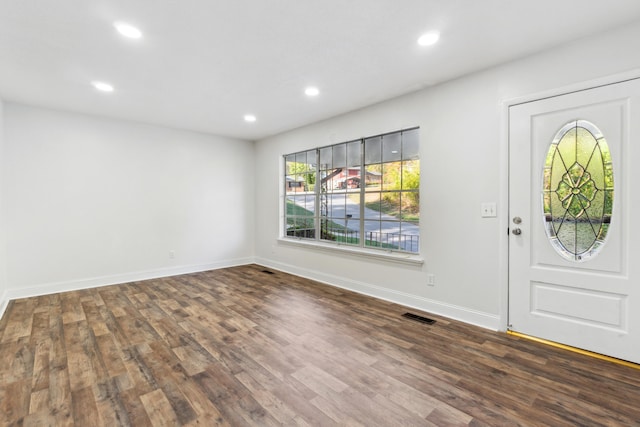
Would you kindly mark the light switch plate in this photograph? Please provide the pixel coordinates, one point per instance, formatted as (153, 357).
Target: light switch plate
(488, 210)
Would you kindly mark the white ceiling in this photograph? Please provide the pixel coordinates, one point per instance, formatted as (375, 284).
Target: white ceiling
(204, 64)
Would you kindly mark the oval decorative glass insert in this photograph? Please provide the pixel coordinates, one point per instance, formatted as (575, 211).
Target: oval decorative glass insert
(577, 191)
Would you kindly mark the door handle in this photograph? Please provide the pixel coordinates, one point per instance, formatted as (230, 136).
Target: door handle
(516, 231)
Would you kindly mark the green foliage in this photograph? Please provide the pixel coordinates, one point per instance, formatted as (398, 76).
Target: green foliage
(303, 170)
(404, 176)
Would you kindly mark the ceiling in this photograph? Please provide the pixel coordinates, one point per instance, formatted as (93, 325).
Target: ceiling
(203, 64)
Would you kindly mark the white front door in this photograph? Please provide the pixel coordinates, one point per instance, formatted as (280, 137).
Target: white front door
(574, 206)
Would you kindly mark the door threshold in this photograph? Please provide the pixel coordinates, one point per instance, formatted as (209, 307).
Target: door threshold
(575, 350)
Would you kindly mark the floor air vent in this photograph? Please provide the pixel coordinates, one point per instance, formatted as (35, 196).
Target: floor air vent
(268, 272)
(419, 318)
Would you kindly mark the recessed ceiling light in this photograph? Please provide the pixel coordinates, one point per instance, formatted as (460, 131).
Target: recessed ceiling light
(249, 118)
(127, 30)
(312, 91)
(102, 86)
(429, 39)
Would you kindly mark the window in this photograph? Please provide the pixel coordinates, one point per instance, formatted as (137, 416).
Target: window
(577, 192)
(362, 193)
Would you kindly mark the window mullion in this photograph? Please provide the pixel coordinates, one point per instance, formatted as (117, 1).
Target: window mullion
(363, 184)
(317, 191)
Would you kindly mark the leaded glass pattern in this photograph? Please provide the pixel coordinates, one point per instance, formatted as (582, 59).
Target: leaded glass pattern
(577, 192)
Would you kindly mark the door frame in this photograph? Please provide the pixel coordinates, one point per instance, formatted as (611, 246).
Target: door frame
(503, 207)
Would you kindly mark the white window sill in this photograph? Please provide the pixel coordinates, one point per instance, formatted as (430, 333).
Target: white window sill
(399, 257)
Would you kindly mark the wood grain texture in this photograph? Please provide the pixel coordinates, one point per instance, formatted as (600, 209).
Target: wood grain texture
(238, 347)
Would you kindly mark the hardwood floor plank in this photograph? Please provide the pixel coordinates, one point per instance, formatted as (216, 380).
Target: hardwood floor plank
(84, 408)
(81, 373)
(335, 413)
(39, 401)
(274, 406)
(111, 409)
(60, 397)
(21, 320)
(40, 375)
(159, 409)
(206, 412)
(71, 307)
(158, 360)
(135, 409)
(40, 419)
(111, 355)
(14, 400)
(238, 347)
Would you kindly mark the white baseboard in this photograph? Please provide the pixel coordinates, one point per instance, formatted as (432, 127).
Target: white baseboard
(474, 317)
(73, 285)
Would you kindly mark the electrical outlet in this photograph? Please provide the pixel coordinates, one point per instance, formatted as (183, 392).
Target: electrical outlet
(172, 254)
(431, 280)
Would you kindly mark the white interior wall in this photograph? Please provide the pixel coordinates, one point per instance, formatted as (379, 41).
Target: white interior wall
(92, 201)
(3, 287)
(463, 160)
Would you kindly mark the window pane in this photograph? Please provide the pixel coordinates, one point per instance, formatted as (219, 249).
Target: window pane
(411, 174)
(353, 154)
(409, 239)
(328, 229)
(390, 235)
(326, 161)
(301, 208)
(311, 160)
(391, 179)
(410, 205)
(353, 207)
(373, 150)
(373, 177)
(292, 186)
(335, 179)
(310, 182)
(410, 144)
(310, 204)
(391, 147)
(337, 207)
(340, 156)
(301, 159)
(352, 237)
(372, 233)
(345, 233)
(301, 228)
(372, 206)
(390, 205)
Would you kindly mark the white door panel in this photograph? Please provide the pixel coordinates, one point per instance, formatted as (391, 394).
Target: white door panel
(591, 303)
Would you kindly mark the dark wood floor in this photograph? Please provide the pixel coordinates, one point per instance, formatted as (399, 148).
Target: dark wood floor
(239, 346)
